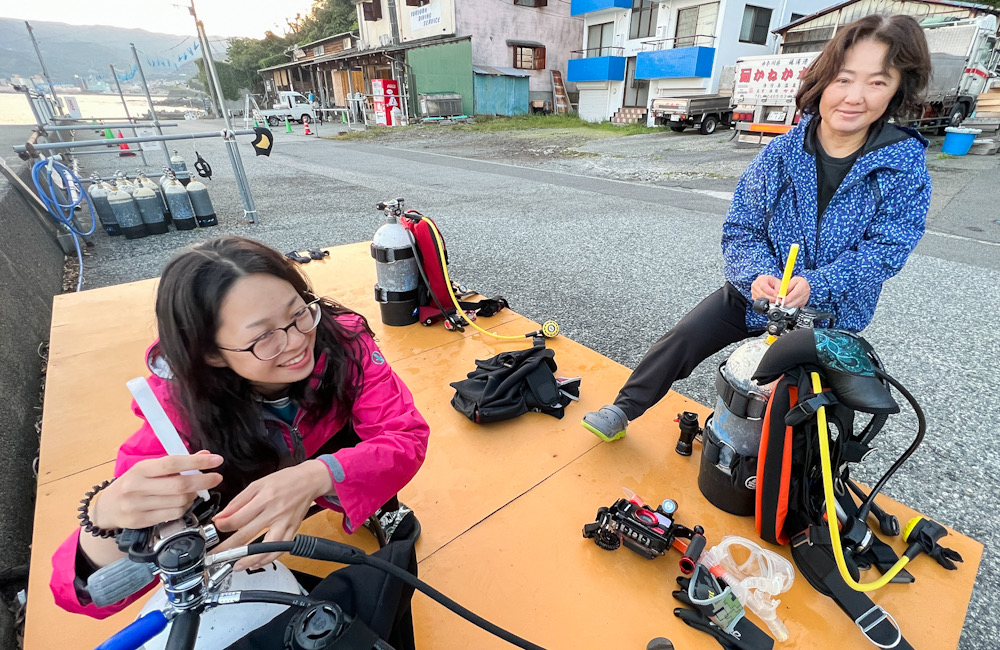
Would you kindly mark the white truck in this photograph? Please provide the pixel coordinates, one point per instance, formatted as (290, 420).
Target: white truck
(963, 58)
(764, 94)
(292, 105)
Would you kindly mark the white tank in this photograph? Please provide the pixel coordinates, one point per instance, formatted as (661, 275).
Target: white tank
(99, 191)
(204, 211)
(151, 209)
(179, 167)
(181, 209)
(127, 213)
(224, 625)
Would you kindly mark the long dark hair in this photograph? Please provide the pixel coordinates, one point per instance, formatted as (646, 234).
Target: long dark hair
(907, 53)
(219, 404)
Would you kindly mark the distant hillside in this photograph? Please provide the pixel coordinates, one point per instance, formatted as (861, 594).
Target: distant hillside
(88, 50)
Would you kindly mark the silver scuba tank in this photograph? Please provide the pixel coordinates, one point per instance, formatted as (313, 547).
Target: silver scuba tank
(398, 277)
(151, 210)
(179, 167)
(126, 213)
(148, 183)
(204, 212)
(731, 437)
(99, 196)
(123, 183)
(180, 205)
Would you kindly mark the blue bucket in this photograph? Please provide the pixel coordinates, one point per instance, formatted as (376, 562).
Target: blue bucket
(958, 140)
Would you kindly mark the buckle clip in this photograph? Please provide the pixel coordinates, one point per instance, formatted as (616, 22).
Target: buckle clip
(880, 616)
(802, 538)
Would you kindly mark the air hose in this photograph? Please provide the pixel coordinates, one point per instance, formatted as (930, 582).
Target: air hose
(830, 496)
(550, 328)
(63, 213)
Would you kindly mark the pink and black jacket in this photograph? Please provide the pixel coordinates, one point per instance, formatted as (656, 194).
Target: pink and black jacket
(393, 444)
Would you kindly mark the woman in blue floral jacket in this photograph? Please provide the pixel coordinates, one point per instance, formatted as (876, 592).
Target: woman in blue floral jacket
(846, 185)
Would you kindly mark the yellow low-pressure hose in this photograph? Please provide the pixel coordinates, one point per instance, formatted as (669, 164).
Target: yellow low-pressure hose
(793, 252)
(550, 329)
(831, 512)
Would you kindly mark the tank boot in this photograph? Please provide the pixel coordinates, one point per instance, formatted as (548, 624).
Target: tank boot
(608, 424)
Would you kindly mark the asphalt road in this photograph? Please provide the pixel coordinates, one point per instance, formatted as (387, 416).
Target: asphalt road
(618, 263)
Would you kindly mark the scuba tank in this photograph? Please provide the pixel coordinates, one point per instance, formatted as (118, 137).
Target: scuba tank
(204, 212)
(731, 437)
(99, 196)
(180, 204)
(150, 184)
(396, 268)
(126, 213)
(179, 167)
(219, 628)
(151, 210)
(123, 183)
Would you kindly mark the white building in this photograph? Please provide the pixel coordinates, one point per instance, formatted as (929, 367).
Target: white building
(637, 50)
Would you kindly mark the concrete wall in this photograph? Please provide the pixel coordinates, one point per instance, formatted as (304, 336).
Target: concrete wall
(493, 24)
(436, 18)
(31, 264)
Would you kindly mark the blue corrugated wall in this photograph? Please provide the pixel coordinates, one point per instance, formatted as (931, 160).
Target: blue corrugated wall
(495, 95)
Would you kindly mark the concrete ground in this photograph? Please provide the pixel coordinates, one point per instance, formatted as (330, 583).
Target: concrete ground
(616, 239)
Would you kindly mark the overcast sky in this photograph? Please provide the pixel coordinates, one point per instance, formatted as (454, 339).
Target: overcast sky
(221, 17)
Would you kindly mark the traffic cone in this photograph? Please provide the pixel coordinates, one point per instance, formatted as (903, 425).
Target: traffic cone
(125, 152)
(306, 130)
(288, 127)
(108, 135)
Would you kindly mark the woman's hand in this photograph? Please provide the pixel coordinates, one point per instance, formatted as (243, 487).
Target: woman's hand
(798, 292)
(154, 491)
(765, 286)
(278, 503)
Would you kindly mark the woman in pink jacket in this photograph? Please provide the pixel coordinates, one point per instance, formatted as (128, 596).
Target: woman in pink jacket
(282, 398)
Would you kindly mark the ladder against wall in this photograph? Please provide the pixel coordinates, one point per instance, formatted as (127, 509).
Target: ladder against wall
(560, 102)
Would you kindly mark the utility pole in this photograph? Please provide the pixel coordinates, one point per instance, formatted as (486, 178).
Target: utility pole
(128, 116)
(149, 99)
(242, 184)
(45, 71)
(206, 56)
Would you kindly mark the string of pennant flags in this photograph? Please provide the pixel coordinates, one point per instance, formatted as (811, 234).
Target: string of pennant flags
(175, 61)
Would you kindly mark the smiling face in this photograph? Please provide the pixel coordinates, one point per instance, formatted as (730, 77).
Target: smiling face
(255, 304)
(859, 94)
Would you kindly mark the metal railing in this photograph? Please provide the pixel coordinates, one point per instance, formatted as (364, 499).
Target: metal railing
(594, 52)
(705, 40)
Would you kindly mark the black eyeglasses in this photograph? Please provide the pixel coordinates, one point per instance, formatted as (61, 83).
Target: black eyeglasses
(273, 342)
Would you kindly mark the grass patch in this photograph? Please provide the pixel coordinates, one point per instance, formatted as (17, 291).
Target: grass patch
(371, 133)
(943, 156)
(489, 123)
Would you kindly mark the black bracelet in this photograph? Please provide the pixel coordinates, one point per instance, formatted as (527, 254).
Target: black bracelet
(84, 515)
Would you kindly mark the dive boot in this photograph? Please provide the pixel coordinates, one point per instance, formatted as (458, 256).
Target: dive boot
(608, 424)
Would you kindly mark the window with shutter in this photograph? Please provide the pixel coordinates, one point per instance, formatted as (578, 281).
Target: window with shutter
(529, 58)
(372, 11)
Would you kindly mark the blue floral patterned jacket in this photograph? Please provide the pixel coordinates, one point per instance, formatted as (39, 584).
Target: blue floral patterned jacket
(872, 223)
